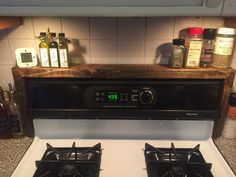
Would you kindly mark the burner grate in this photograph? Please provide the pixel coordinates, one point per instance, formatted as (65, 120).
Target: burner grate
(176, 162)
(70, 162)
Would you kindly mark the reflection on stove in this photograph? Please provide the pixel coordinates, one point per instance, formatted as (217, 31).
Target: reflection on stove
(70, 162)
(176, 162)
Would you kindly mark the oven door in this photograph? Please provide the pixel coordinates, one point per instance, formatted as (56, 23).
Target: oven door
(124, 99)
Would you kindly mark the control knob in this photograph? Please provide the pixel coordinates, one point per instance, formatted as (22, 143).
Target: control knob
(146, 97)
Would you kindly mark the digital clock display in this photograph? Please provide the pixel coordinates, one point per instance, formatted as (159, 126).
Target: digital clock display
(112, 96)
(26, 57)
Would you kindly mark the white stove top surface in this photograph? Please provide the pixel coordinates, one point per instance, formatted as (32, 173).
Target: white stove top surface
(122, 158)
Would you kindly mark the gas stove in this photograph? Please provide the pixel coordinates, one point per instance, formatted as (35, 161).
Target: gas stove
(175, 117)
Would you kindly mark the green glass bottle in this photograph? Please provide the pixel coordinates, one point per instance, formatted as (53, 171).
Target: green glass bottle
(44, 50)
(14, 115)
(5, 127)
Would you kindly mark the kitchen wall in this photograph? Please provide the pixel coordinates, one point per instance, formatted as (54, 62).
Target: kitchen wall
(109, 40)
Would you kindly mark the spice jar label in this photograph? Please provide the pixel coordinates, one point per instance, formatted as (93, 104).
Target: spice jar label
(223, 46)
(194, 53)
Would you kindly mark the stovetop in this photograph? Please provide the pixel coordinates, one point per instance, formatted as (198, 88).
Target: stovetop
(123, 144)
(176, 162)
(69, 162)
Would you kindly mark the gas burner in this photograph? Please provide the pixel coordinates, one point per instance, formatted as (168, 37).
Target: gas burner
(70, 162)
(176, 162)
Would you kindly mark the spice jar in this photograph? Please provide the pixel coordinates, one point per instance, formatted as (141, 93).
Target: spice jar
(229, 130)
(224, 44)
(177, 54)
(207, 47)
(194, 48)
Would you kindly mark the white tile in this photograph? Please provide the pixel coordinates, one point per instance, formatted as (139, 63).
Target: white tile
(186, 22)
(103, 27)
(6, 76)
(76, 27)
(130, 52)
(79, 51)
(103, 52)
(213, 22)
(21, 43)
(160, 28)
(157, 52)
(41, 24)
(5, 58)
(131, 28)
(23, 31)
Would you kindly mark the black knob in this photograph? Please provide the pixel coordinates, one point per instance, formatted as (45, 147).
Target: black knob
(146, 97)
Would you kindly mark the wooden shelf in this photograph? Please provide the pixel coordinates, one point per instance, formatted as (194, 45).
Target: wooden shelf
(122, 71)
(9, 22)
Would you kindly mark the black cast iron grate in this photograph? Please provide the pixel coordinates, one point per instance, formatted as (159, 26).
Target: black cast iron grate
(70, 162)
(176, 162)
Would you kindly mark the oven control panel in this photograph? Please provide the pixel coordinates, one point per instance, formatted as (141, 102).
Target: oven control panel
(105, 97)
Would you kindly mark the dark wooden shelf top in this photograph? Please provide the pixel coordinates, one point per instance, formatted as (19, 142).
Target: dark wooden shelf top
(122, 71)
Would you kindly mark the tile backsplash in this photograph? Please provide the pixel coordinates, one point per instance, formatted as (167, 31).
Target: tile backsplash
(108, 40)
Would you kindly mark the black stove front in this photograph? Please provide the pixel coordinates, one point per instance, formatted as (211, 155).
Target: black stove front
(176, 162)
(70, 162)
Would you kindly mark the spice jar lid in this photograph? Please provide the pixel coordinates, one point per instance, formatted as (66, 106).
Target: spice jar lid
(232, 99)
(229, 31)
(178, 41)
(209, 33)
(195, 30)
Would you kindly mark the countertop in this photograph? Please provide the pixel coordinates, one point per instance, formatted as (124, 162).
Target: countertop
(12, 150)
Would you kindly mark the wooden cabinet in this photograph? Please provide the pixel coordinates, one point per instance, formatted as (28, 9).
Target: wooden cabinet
(112, 8)
(9, 22)
(122, 71)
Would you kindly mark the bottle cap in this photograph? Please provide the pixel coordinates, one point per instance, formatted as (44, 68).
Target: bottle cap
(61, 34)
(209, 33)
(53, 34)
(195, 30)
(178, 41)
(232, 99)
(42, 34)
(227, 31)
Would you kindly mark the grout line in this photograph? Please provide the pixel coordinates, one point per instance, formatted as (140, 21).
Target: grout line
(117, 41)
(61, 24)
(173, 32)
(90, 46)
(145, 39)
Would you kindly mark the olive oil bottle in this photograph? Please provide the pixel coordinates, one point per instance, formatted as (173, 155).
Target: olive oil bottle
(44, 50)
(53, 51)
(63, 50)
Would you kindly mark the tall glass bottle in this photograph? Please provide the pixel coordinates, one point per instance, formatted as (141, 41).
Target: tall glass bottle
(5, 128)
(53, 51)
(63, 50)
(14, 115)
(44, 50)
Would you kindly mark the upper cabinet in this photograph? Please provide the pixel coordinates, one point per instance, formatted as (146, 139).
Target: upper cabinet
(9, 22)
(111, 7)
(229, 8)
